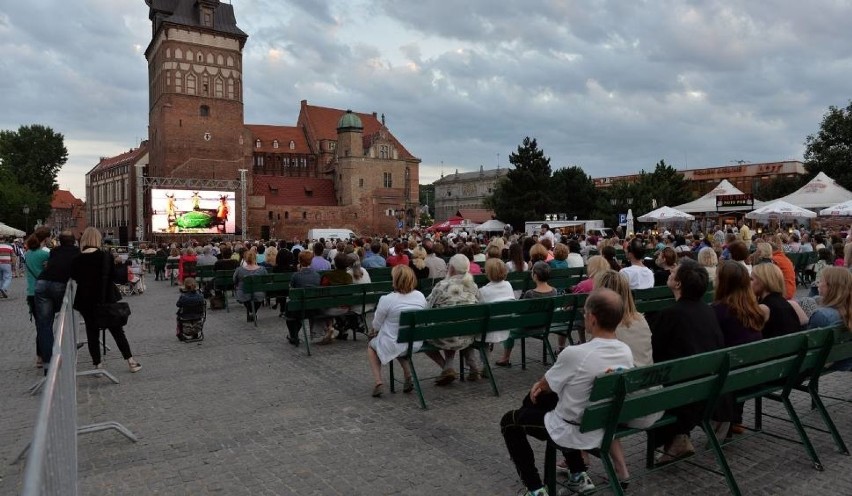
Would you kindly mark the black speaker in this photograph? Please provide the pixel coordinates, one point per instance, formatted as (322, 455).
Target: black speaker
(122, 236)
(264, 232)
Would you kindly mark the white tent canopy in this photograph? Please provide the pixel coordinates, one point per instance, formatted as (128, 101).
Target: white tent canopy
(840, 210)
(820, 192)
(492, 225)
(707, 203)
(664, 214)
(779, 209)
(9, 231)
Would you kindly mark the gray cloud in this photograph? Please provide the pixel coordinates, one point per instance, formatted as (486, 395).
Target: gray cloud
(611, 86)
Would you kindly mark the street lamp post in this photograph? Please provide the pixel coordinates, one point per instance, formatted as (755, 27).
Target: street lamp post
(26, 218)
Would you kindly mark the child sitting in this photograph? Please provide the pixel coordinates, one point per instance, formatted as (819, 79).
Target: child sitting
(190, 310)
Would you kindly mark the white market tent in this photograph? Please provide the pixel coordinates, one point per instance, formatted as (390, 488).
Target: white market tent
(664, 214)
(820, 192)
(840, 210)
(492, 225)
(779, 209)
(6, 230)
(707, 203)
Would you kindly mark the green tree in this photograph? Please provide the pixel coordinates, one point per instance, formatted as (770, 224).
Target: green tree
(830, 150)
(778, 187)
(525, 192)
(575, 192)
(30, 159)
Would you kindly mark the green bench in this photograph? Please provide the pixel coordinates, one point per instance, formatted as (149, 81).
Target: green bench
(223, 281)
(469, 320)
(380, 274)
(276, 285)
(748, 371)
(306, 302)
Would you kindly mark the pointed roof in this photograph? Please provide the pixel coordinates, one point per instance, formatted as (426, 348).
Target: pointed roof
(707, 203)
(296, 191)
(284, 134)
(820, 192)
(64, 199)
(127, 158)
(320, 123)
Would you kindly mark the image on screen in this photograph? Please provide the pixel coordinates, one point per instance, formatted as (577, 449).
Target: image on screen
(193, 211)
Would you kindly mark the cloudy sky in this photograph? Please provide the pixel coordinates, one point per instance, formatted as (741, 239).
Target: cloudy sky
(611, 86)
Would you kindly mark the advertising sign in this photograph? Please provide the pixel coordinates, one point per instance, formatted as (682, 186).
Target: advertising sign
(733, 203)
(190, 211)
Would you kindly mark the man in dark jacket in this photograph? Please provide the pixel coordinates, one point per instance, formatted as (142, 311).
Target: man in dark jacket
(49, 291)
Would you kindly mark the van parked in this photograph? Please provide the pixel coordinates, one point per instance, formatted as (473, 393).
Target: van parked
(331, 234)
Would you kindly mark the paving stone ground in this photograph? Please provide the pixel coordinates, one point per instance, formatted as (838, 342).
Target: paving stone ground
(244, 412)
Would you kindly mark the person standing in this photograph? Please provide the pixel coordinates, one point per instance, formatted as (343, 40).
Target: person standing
(8, 260)
(49, 290)
(87, 270)
(34, 261)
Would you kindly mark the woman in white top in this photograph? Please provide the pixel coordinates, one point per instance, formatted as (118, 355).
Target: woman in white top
(709, 260)
(383, 347)
(497, 289)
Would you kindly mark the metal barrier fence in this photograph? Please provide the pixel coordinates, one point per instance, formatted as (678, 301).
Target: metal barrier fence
(52, 460)
(51, 467)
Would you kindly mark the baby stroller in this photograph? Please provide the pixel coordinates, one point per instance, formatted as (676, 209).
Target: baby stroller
(190, 322)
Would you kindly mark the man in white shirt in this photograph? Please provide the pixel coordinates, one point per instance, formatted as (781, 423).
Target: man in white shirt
(547, 233)
(555, 404)
(640, 277)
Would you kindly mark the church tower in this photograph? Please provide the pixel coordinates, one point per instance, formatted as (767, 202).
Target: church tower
(195, 62)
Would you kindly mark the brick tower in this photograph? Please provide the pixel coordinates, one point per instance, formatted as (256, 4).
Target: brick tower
(195, 123)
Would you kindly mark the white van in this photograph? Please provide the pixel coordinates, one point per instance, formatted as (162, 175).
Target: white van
(327, 234)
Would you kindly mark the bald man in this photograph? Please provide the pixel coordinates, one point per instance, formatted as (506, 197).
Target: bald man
(554, 406)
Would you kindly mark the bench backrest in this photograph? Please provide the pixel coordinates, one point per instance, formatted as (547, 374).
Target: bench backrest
(622, 396)
(323, 297)
(445, 322)
(380, 274)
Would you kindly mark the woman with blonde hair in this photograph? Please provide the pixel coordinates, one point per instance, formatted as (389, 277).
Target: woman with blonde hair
(249, 268)
(596, 265)
(538, 253)
(708, 259)
(418, 263)
(835, 290)
(87, 269)
(785, 316)
(384, 347)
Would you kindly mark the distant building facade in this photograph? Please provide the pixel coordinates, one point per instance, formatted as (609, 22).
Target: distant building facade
(464, 191)
(111, 193)
(67, 213)
(746, 177)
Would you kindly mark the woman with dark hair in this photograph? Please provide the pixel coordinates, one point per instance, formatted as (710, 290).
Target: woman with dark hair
(686, 328)
(608, 252)
(35, 259)
(475, 269)
(540, 275)
(516, 261)
(87, 270)
(399, 257)
(665, 261)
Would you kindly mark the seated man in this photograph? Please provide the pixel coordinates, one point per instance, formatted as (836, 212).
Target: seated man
(554, 406)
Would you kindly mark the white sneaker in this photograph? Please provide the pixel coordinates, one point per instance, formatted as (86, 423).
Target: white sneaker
(134, 365)
(579, 483)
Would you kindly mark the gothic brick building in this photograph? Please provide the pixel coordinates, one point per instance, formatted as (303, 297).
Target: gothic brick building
(334, 168)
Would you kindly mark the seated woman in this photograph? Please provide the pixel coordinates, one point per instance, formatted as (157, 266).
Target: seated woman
(597, 265)
(190, 308)
(457, 289)
(497, 289)
(383, 347)
(250, 268)
(708, 259)
(665, 261)
(172, 262)
(187, 257)
(560, 253)
(474, 268)
(540, 276)
(785, 316)
(338, 276)
(835, 290)
(418, 263)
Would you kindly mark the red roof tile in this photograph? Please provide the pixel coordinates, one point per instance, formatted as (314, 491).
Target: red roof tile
(284, 190)
(322, 124)
(127, 158)
(63, 199)
(478, 215)
(284, 134)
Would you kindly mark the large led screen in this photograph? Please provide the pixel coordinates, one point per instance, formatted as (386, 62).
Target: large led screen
(190, 211)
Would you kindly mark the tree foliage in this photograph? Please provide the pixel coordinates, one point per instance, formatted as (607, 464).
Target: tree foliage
(665, 186)
(777, 187)
(524, 193)
(830, 150)
(30, 159)
(574, 193)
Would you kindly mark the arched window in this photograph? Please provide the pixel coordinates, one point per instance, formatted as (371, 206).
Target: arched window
(190, 84)
(292, 145)
(275, 144)
(178, 53)
(286, 215)
(230, 61)
(168, 78)
(220, 60)
(257, 144)
(204, 111)
(219, 88)
(210, 59)
(200, 57)
(304, 215)
(168, 53)
(189, 55)
(178, 82)
(230, 88)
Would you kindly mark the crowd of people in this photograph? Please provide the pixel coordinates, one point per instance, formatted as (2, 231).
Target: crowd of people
(754, 297)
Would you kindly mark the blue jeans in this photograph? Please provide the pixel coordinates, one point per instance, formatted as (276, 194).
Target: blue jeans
(5, 276)
(48, 301)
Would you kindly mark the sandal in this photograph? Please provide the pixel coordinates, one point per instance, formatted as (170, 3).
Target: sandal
(408, 385)
(378, 389)
(503, 363)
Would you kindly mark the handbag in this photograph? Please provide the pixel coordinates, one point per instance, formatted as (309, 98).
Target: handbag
(111, 312)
